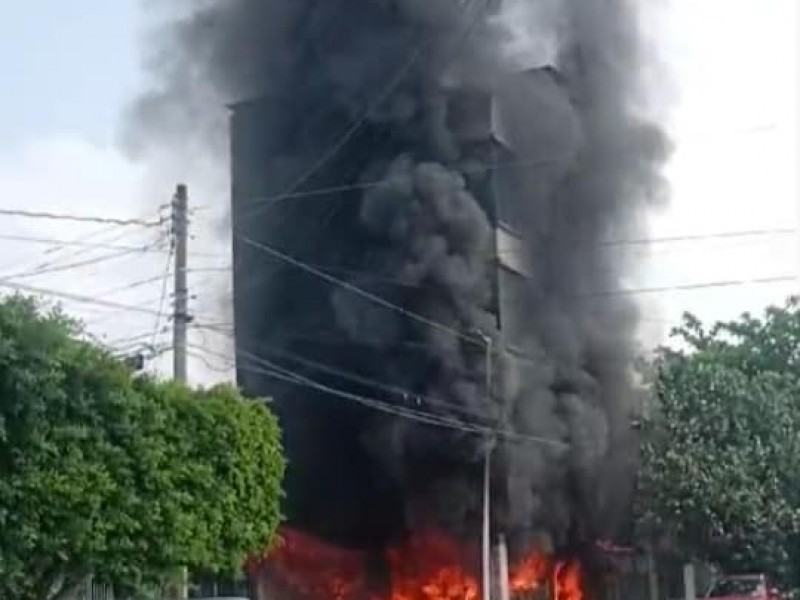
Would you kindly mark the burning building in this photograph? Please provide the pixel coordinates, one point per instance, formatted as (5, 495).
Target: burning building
(306, 331)
(290, 316)
(425, 266)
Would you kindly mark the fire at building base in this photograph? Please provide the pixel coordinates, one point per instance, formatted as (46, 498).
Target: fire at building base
(427, 566)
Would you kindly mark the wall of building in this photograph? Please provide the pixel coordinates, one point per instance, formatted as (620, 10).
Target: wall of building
(281, 311)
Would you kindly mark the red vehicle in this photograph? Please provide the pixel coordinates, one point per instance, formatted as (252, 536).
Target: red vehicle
(744, 587)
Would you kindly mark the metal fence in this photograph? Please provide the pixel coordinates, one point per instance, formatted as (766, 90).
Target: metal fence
(94, 591)
(201, 587)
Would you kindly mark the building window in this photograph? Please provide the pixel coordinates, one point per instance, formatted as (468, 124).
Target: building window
(511, 252)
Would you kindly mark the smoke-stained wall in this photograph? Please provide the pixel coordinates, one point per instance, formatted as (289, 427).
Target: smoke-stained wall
(428, 138)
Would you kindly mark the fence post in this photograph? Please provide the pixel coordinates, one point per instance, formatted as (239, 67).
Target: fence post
(689, 583)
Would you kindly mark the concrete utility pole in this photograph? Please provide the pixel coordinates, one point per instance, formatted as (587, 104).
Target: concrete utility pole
(180, 315)
(487, 464)
(502, 568)
(486, 538)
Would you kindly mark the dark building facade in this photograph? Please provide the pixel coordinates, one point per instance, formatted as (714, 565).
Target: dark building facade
(284, 314)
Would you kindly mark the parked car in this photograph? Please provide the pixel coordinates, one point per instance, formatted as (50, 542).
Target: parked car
(744, 587)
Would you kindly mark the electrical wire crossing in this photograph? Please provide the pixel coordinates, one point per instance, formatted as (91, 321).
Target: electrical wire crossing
(292, 377)
(267, 367)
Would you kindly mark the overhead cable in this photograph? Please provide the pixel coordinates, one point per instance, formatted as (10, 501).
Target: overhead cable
(79, 218)
(414, 57)
(365, 381)
(289, 376)
(75, 265)
(163, 297)
(74, 297)
(70, 243)
(361, 292)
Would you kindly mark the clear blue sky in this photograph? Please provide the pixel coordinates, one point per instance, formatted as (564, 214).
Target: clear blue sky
(67, 65)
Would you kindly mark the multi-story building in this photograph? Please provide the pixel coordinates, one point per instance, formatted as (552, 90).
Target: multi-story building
(282, 311)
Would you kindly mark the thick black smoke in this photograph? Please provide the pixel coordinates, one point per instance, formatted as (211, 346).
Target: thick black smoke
(399, 100)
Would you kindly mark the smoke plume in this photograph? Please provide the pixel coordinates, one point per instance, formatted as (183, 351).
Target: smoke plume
(385, 97)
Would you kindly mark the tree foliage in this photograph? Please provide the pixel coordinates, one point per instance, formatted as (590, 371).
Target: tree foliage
(121, 478)
(721, 456)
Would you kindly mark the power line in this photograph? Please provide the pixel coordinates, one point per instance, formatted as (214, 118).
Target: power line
(164, 281)
(385, 303)
(74, 297)
(692, 286)
(75, 265)
(440, 326)
(357, 290)
(70, 243)
(437, 420)
(284, 374)
(206, 362)
(631, 242)
(367, 185)
(356, 378)
(376, 277)
(405, 393)
(93, 235)
(359, 379)
(354, 270)
(348, 135)
(52, 261)
(392, 85)
(298, 378)
(79, 218)
(702, 237)
(210, 269)
(375, 183)
(105, 316)
(84, 238)
(129, 340)
(131, 286)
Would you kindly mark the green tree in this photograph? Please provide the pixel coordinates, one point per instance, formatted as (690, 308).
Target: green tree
(720, 472)
(120, 478)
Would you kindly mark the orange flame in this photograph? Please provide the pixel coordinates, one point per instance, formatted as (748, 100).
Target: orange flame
(529, 574)
(427, 566)
(311, 569)
(567, 580)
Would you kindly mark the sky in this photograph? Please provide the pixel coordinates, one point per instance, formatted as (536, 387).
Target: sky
(70, 68)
